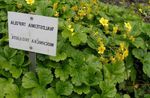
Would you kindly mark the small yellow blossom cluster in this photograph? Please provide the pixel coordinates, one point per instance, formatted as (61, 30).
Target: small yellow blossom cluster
(56, 13)
(131, 38)
(71, 29)
(122, 52)
(74, 8)
(128, 26)
(81, 11)
(140, 10)
(30, 2)
(104, 60)
(128, 29)
(64, 8)
(94, 1)
(101, 48)
(84, 10)
(104, 22)
(55, 6)
(118, 54)
(115, 29)
(19, 5)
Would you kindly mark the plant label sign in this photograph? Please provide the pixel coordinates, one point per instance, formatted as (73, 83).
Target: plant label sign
(33, 33)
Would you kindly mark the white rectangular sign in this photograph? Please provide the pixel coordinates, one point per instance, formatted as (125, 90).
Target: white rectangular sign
(33, 33)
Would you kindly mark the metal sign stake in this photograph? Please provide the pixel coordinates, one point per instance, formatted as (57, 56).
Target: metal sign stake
(32, 58)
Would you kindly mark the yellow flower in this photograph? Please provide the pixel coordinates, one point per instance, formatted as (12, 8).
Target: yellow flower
(104, 22)
(125, 53)
(122, 45)
(120, 56)
(94, 1)
(95, 33)
(56, 14)
(140, 10)
(112, 59)
(75, 8)
(64, 8)
(76, 18)
(81, 13)
(19, 5)
(55, 5)
(70, 28)
(104, 60)
(132, 38)
(72, 34)
(115, 29)
(128, 26)
(101, 49)
(30, 1)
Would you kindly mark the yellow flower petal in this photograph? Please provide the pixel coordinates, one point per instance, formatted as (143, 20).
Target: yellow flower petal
(30, 2)
(128, 26)
(122, 46)
(104, 22)
(132, 38)
(101, 49)
(115, 29)
(125, 53)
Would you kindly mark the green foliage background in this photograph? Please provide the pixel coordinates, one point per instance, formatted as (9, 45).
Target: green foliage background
(78, 70)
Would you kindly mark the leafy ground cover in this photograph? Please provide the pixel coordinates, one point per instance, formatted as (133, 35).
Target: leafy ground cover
(103, 52)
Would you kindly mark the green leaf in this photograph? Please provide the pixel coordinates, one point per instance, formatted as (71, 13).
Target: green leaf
(78, 72)
(66, 33)
(64, 88)
(9, 52)
(29, 80)
(44, 11)
(139, 42)
(25, 93)
(83, 37)
(136, 28)
(2, 85)
(8, 1)
(45, 76)
(96, 96)
(63, 71)
(38, 93)
(59, 57)
(138, 53)
(78, 38)
(75, 39)
(16, 72)
(82, 89)
(146, 95)
(92, 43)
(11, 91)
(133, 74)
(146, 64)
(93, 66)
(8, 89)
(115, 71)
(145, 28)
(18, 60)
(2, 55)
(51, 93)
(108, 89)
(126, 96)
(78, 76)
